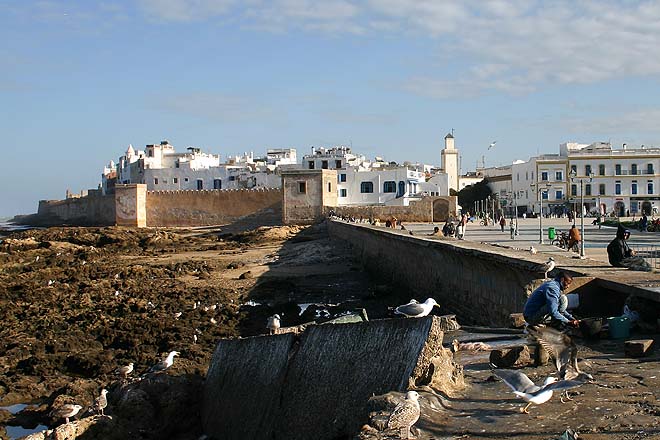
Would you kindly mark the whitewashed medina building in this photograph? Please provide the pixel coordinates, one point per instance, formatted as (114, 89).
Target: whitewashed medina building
(161, 168)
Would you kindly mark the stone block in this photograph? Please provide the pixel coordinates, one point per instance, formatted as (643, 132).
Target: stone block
(539, 354)
(638, 347)
(518, 356)
(517, 320)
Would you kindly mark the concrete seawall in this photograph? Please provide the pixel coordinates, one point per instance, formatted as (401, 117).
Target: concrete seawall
(317, 384)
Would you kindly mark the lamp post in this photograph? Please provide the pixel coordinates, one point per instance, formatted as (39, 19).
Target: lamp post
(539, 189)
(574, 178)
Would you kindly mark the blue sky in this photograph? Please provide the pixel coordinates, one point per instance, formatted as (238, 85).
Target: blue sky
(80, 80)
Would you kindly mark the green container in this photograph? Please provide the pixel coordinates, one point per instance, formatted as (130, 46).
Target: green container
(551, 233)
(619, 327)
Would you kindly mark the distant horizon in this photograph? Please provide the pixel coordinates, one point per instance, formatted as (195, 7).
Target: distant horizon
(82, 80)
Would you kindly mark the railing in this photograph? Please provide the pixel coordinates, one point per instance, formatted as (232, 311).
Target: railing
(650, 253)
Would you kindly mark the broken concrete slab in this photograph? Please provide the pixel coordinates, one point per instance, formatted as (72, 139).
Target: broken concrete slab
(276, 381)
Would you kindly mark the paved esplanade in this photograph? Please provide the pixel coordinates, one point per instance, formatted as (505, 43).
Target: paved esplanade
(596, 240)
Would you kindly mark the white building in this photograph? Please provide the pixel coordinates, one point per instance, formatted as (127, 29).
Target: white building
(620, 181)
(161, 168)
(449, 158)
(392, 185)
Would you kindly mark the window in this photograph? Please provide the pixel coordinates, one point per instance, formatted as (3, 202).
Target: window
(544, 194)
(185, 179)
(526, 175)
(587, 170)
(532, 175)
(217, 183)
(337, 163)
(601, 169)
(232, 178)
(633, 187)
(176, 164)
(633, 169)
(342, 193)
(165, 181)
(558, 195)
(156, 181)
(649, 169)
(518, 177)
(617, 187)
(544, 176)
(329, 187)
(342, 177)
(617, 169)
(649, 187)
(324, 164)
(402, 189)
(559, 176)
(310, 165)
(302, 186)
(601, 189)
(389, 186)
(200, 184)
(574, 169)
(175, 180)
(587, 189)
(574, 190)
(366, 187)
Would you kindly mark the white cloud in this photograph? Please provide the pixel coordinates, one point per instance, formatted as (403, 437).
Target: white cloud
(185, 10)
(216, 107)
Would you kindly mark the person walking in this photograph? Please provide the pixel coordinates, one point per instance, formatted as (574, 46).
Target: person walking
(502, 223)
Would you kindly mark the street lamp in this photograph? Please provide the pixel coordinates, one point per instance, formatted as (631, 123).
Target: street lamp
(539, 189)
(574, 178)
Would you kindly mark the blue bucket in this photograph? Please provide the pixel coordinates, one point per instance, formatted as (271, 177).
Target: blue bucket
(619, 327)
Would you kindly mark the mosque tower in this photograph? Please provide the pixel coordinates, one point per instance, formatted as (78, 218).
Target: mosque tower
(449, 158)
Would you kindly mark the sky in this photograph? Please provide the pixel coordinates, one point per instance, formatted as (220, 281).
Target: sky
(80, 80)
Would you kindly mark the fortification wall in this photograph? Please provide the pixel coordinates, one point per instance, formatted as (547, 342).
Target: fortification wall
(211, 207)
(92, 210)
(429, 209)
(482, 286)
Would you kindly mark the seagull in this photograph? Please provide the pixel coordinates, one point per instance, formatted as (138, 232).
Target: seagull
(524, 388)
(492, 144)
(563, 350)
(405, 415)
(532, 250)
(125, 370)
(65, 411)
(273, 324)
(101, 402)
(177, 315)
(165, 363)
(546, 267)
(416, 310)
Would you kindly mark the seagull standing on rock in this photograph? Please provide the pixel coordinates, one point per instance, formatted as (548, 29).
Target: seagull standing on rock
(101, 402)
(273, 324)
(125, 370)
(165, 363)
(547, 267)
(405, 415)
(65, 411)
(415, 310)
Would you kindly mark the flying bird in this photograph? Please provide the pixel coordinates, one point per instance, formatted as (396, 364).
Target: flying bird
(415, 310)
(524, 388)
(165, 363)
(125, 370)
(492, 144)
(546, 267)
(273, 324)
(563, 350)
(65, 411)
(101, 402)
(405, 415)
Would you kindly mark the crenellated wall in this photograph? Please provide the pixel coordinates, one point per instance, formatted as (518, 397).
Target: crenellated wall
(210, 207)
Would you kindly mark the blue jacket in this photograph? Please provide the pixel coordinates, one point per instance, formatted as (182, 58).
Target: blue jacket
(547, 293)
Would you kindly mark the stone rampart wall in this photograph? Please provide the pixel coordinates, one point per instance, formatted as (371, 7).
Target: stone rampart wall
(480, 286)
(418, 211)
(91, 210)
(210, 207)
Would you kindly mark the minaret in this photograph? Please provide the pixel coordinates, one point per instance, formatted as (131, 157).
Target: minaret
(449, 158)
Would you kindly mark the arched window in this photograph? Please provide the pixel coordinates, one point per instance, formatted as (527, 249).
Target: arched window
(402, 189)
(366, 187)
